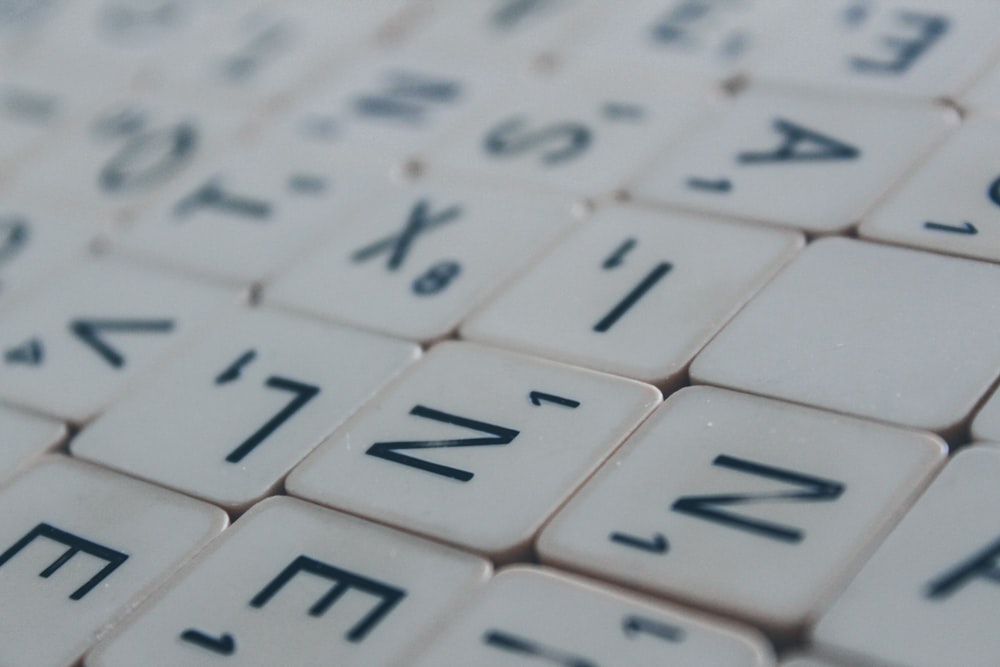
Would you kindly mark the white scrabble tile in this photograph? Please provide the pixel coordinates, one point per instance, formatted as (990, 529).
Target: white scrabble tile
(131, 150)
(749, 507)
(79, 548)
(634, 292)
(952, 203)
(229, 418)
(260, 49)
(929, 594)
(37, 240)
(581, 134)
(511, 30)
(880, 332)
(245, 217)
(912, 48)
(295, 585)
(417, 261)
(23, 438)
(536, 615)
(474, 446)
(93, 331)
(390, 108)
(703, 41)
(983, 98)
(795, 160)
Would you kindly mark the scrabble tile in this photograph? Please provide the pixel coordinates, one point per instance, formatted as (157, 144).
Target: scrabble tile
(928, 596)
(582, 134)
(243, 218)
(911, 48)
(229, 418)
(37, 240)
(511, 30)
(875, 331)
(749, 507)
(23, 438)
(295, 585)
(473, 446)
(417, 261)
(256, 50)
(387, 109)
(93, 331)
(698, 41)
(952, 202)
(132, 150)
(634, 292)
(527, 615)
(79, 548)
(795, 160)
(983, 98)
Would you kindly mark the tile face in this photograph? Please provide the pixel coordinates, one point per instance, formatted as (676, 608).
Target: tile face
(583, 135)
(23, 437)
(227, 420)
(698, 40)
(37, 240)
(775, 157)
(738, 504)
(89, 334)
(79, 547)
(293, 584)
(952, 203)
(933, 584)
(390, 108)
(874, 328)
(913, 48)
(474, 446)
(414, 264)
(244, 218)
(527, 615)
(634, 293)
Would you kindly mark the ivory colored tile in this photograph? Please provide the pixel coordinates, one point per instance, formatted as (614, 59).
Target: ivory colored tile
(928, 596)
(474, 446)
(634, 292)
(23, 438)
(805, 161)
(753, 508)
(583, 134)
(295, 585)
(951, 203)
(910, 48)
(79, 548)
(891, 334)
(86, 336)
(417, 261)
(230, 417)
(244, 218)
(527, 615)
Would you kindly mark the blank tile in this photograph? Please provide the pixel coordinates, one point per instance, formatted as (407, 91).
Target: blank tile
(530, 615)
(928, 597)
(749, 507)
(79, 547)
(892, 334)
(474, 446)
(634, 292)
(296, 585)
(230, 417)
